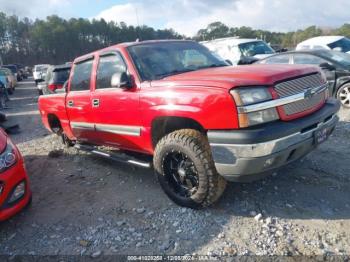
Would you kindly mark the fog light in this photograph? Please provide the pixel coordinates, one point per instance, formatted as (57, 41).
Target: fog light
(269, 162)
(18, 192)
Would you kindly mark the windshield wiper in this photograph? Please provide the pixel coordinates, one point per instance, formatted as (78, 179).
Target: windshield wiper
(174, 72)
(212, 66)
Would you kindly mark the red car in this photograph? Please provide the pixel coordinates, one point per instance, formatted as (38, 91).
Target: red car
(15, 192)
(203, 121)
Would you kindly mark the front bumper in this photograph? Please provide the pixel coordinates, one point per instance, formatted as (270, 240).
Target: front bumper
(251, 153)
(8, 181)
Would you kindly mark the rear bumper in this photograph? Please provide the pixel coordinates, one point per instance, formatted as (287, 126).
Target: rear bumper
(9, 180)
(249, 154)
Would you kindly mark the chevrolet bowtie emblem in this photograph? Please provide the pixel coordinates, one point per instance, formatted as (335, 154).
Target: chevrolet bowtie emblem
(309, 93)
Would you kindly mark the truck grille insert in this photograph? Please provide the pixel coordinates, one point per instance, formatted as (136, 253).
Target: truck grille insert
(300, 85)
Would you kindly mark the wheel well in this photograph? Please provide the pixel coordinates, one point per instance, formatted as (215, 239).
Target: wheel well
(54, 123)
(165, 125)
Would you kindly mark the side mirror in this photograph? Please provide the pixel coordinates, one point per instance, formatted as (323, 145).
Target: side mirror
(121, 80)
(327, 66)
(228, 61)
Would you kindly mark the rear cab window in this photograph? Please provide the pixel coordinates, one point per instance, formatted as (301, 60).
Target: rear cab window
(81, 77)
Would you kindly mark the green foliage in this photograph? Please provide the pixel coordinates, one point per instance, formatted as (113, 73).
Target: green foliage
(56, 40)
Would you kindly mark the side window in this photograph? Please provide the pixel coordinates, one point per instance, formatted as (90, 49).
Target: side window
(107, 66)
(279, 59)
(81, 76)
(305, 59)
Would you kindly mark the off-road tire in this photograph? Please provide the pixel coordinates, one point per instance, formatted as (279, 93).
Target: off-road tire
(340, 90)
(195, 145)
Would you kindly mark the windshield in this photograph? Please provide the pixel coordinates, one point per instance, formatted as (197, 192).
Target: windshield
(343, 43)
(255, 48)
(41, 69)
(159, 60)
(339, 57)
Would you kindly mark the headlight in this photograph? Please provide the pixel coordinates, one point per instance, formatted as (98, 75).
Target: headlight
(7, 157)
(254, 95)
(248, 96)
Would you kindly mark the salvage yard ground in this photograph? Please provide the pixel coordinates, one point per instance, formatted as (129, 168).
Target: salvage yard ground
(85, 205)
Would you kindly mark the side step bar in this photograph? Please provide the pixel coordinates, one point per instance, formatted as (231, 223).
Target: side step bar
(123, 158)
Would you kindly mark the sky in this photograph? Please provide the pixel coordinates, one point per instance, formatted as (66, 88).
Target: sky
(188, 16)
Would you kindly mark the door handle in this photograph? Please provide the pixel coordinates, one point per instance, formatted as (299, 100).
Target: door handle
(70, 103)
(95, 102)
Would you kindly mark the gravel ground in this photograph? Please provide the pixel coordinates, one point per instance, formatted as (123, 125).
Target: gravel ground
(85, 205)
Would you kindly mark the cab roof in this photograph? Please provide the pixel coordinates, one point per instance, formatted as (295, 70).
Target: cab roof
(128, 44)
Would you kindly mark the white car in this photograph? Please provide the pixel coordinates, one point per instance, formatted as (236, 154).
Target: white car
(336, 43)
(39, 72)
(239, 50)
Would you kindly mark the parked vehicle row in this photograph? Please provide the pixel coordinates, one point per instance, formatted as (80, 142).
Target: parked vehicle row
(327, 52)
(239, 51)
(197, 120)
(54, 80)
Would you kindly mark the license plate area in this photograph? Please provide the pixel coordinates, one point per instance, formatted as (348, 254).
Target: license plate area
(321, 135)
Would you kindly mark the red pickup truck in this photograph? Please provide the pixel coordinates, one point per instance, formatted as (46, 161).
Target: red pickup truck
(202, 121)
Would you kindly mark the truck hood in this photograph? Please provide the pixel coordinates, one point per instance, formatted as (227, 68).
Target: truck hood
(228, 77)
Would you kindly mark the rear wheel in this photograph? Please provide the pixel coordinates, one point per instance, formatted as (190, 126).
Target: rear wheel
(66, 141)
(185, 169)
(343, 95)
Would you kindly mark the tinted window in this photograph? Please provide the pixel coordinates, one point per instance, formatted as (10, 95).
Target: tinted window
(343, 44)
(307, 59)
(108, 66)
(255, 48)
(341, 58)
(280, 59)
(60, 76)
(81, 76)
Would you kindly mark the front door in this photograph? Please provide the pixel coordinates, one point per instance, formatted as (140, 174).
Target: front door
(116, 110)
(78, 101)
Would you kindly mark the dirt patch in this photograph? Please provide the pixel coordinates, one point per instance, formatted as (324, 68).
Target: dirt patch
(85, 205)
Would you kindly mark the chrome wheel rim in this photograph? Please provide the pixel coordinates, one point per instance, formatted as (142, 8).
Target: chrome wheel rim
(344, 96)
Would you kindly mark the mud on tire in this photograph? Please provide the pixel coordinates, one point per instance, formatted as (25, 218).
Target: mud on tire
(185, 169)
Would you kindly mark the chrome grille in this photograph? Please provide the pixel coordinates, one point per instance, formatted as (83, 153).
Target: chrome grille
(300, 85)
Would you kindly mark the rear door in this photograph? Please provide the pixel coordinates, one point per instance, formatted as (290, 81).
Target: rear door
(116, 110)
(78, 101)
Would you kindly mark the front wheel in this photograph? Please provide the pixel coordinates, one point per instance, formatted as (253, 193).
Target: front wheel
(343, 95)
(185, 169)
(66, 141)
